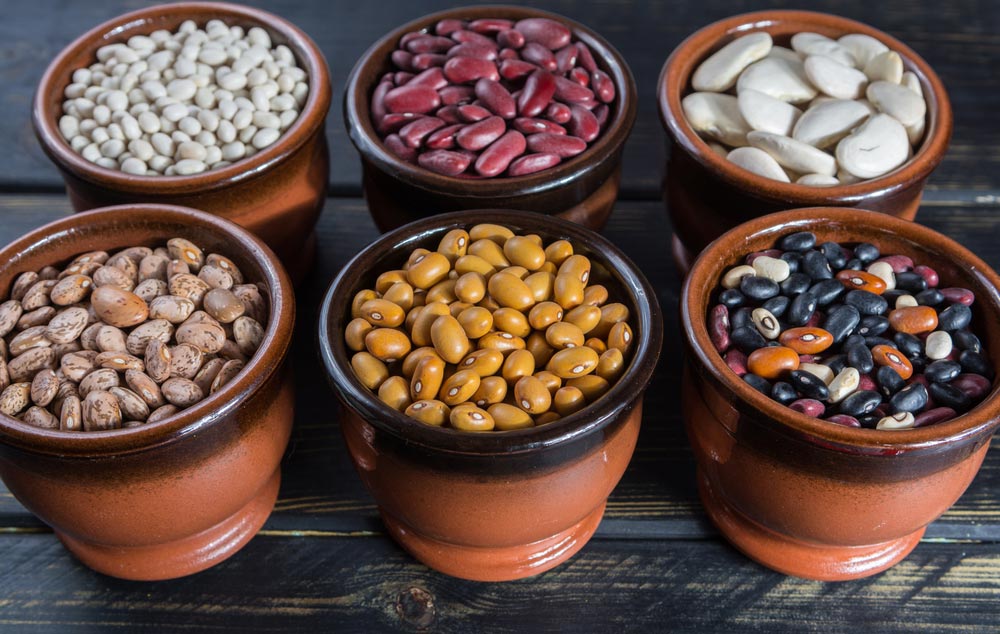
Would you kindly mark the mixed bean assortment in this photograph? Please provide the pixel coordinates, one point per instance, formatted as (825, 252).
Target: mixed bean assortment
(184, 102)
(119, 340)
(491, 331)
(822, 113)
(491, 97)
(850, 335)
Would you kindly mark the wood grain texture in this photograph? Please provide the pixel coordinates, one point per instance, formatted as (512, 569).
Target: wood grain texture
(957, 38)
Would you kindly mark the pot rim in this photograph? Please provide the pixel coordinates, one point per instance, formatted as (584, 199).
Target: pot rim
(622, 395)
(258, 370)
(311, 118)
(357, 117)
(699, 44)
(707, 271)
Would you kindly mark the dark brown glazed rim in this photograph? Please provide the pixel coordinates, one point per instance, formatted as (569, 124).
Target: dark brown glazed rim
(97, 227)
(47, 106)
(861, 226)
(375, 61)
(675, 78)
(647, 324)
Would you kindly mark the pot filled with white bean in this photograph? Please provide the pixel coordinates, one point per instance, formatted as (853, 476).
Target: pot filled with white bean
(211, 105)
(144, 407)
(780, 109)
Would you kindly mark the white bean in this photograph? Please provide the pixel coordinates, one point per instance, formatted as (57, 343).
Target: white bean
(719, 72)
(878, 146)
(758, 162)
(794, 155)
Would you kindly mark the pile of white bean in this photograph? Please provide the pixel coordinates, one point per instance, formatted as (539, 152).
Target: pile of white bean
(185, 102)
(822, 113)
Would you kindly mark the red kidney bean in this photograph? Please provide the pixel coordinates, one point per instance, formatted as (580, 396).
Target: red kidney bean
(413, 133)
(402, 78)
(470, 113)
(516, 69)
(428, 60)
(432, 78)
(479, 135)
(399, 148)
(508, 53)
(495, 97)
(537, 93)
(499, 155)
(934, 416)
(378, 101)
(566, 58)
(539, 55)
(443, 138)
(445, 162)
(844, 419)
(448, 26)
(583, 123)
(403, 59)
(959, 295)
(452, 95)
(585, 57)
(718, 327)
(419, 99)
(899, 263)
(448, 114)
(974, 386)
(549, 33)
(601, 113)
(603, 86)
(429, 44)
(736, 360)
(930, 275)
(569, 91)
(473, 49)
(562, 145)
(490, 25)
(529, 126)
(867, 383)
(465, 70)
(580, 76)
(531, 163)
(510, 39)
(393, 122)
(809, 407)
(466, 35)
(409, 37)
(558, 112)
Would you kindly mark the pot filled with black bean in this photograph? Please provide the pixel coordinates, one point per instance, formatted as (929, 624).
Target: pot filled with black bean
(841, 370)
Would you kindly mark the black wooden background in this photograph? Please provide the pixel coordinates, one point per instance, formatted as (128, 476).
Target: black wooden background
(322, 562)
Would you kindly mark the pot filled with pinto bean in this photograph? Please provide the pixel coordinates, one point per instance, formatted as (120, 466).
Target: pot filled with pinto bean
(839, 385)
(484, 106)
(144, 404)
(491, 365)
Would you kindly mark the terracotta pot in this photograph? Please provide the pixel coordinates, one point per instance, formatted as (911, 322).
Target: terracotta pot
(177, 496)
(707, 195)
(804, 496)
(278, 193)
(458, 501)
(582, 189)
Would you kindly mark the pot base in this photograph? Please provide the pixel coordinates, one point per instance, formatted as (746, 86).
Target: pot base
(799, 558)
(494, 564)
(185, 556)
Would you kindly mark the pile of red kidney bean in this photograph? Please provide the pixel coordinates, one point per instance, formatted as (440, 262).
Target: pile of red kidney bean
(850, 335)
(491, 97)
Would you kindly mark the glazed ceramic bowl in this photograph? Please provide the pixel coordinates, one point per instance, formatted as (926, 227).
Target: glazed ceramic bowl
(497, 505)
(177, 496)
(804, 496)
(707, 195)
(582, 189)
(278, 193)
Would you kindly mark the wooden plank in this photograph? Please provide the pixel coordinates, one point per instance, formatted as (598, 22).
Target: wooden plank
(281, 583)
(962, 49)
(656, 498)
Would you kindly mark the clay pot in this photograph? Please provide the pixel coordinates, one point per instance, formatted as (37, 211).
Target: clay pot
(707, 195)
(277, 193)
(177, 496)
(804, 496)
(492, 506)
(582, 189)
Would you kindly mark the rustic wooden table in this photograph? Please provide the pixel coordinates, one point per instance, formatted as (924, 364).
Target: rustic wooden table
(322, 561)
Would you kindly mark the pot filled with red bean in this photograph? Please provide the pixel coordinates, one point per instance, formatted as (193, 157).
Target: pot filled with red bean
(480, 105)
(839, 385)
(498, 358)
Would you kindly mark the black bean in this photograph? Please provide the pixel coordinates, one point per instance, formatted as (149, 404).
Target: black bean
(758, 383)
(801, 309)
(741, 318)
(794, 260)
(841, 321)
(777, 305)
(866, 302)
(836, 363)
(860, 403)
(930, 297)
(911, 398)
(949, 396)
(966, 341)
(796, 283)
(814, 265)
(909, 345)
(860, 358)
(854, 340)
(955, 317)
(747, 339)
(942, 371)
(732, 298)
(758, 287)
(976, 363)
(783, 392)
(854, 264)
(869, 421)
(875, 340)
(866, 252)
(834, 254)
(889, 381)
(809, 385)
(827, 291)
(799, 241)
(872, 325)
(893, 295)
(910, 282)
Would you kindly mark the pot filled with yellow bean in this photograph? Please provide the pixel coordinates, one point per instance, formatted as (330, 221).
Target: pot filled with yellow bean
(491, 365)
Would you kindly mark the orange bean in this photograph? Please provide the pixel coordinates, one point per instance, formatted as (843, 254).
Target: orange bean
(914, 320)
(772, 362)
(806, 340)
